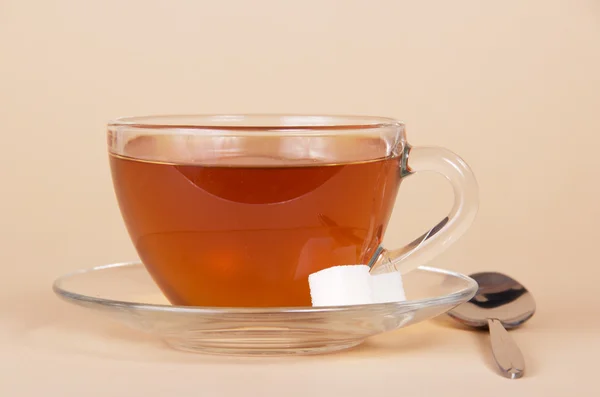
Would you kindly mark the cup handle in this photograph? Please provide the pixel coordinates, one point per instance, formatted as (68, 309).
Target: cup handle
(449, 229)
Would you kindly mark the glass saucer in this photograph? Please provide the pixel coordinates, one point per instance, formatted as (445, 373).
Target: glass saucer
(126, 292)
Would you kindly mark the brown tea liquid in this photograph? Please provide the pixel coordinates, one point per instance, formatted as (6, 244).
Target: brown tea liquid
(250, 236)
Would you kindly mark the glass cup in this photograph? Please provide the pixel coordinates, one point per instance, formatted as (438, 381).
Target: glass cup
(238, 210)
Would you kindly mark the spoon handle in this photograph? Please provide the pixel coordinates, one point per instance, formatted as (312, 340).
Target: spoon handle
(506, 353)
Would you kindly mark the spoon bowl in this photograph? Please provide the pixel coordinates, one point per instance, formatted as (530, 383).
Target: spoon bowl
(499, 297)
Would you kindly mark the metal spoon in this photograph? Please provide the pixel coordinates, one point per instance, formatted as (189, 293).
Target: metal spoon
(500, 303)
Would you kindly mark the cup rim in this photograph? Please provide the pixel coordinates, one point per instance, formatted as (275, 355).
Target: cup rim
(258, 122)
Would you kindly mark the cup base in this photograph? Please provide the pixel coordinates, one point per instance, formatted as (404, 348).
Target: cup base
(260, 347)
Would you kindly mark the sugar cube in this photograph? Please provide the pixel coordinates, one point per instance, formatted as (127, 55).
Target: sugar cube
(341, 285)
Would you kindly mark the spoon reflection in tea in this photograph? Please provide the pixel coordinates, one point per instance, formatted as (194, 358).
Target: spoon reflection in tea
(501, 303)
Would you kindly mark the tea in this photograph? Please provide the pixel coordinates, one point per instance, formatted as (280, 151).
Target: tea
(249, 235)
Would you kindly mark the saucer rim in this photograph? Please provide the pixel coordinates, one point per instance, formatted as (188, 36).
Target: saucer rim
(455, 297)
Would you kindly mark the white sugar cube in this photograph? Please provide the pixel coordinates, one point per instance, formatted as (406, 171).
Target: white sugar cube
(354, 285)
(341, 285)
(387, 287)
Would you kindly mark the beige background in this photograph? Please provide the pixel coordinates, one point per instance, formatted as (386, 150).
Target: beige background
(511, 86)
